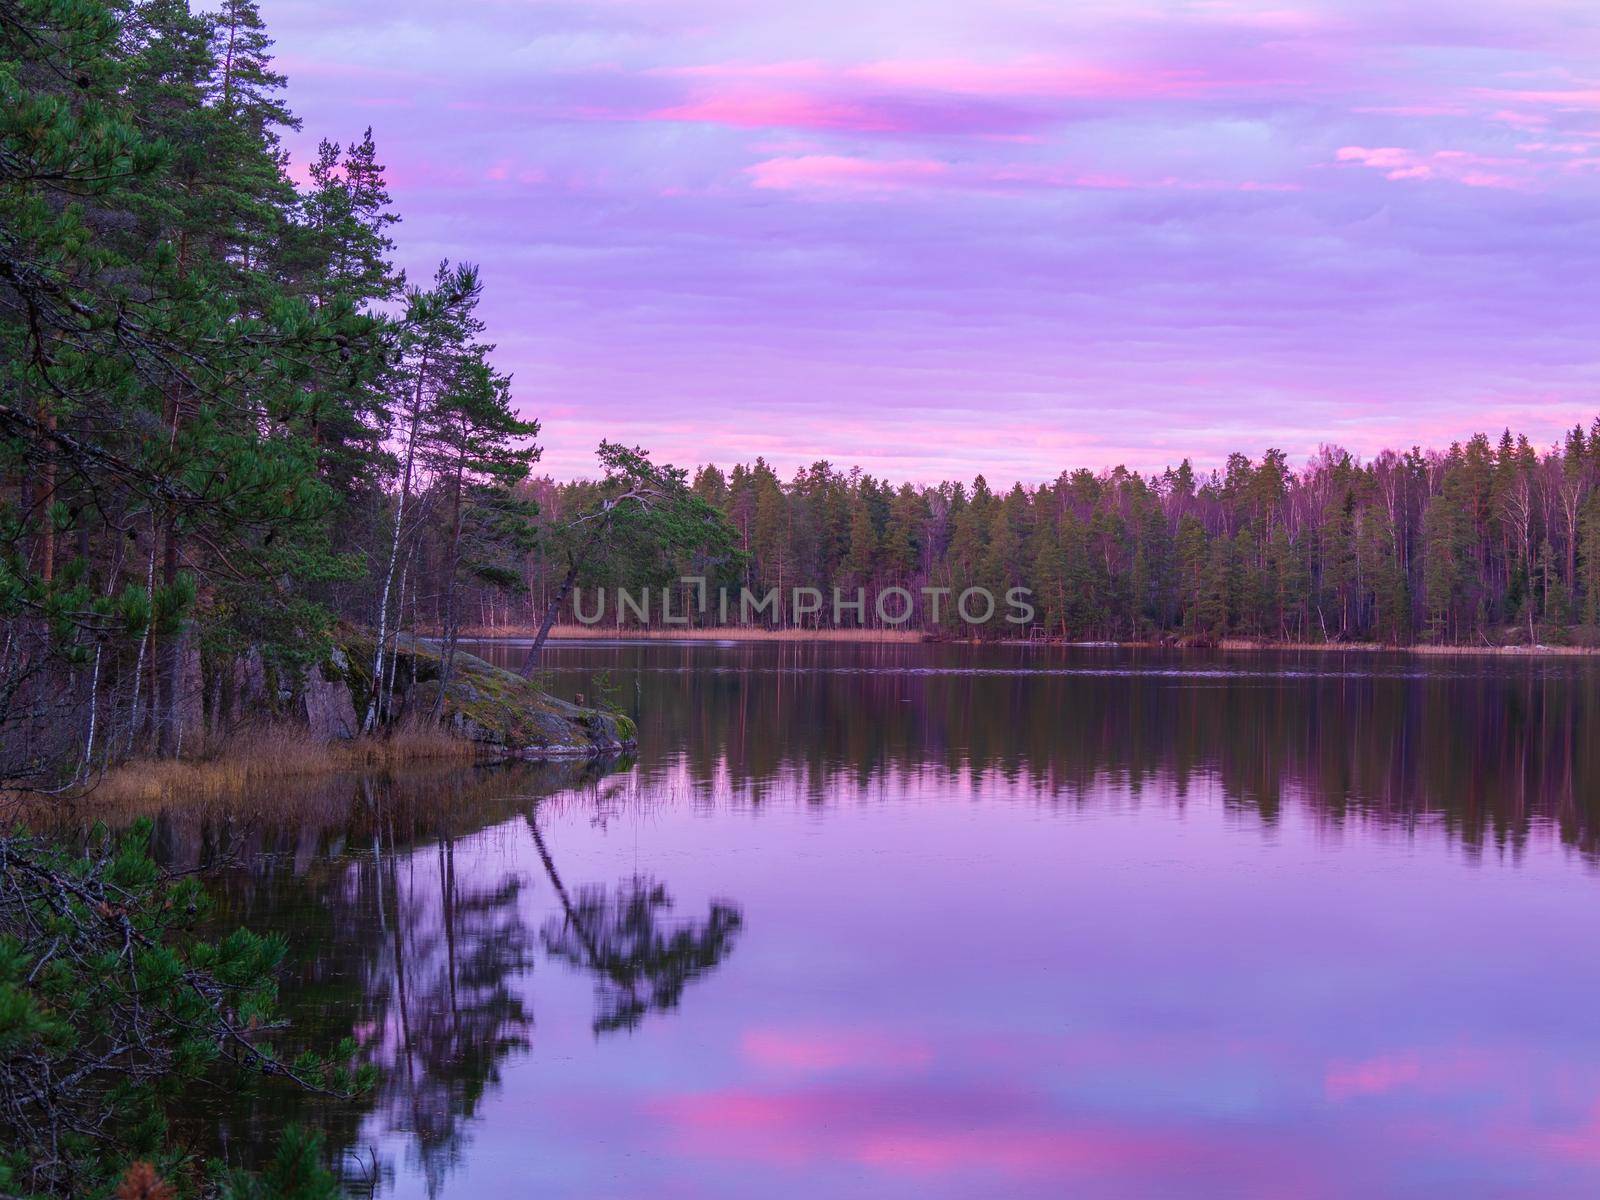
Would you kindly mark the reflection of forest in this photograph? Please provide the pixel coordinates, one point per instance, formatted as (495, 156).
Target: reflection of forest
(1482, 747)
(408, 932)
(422, 959)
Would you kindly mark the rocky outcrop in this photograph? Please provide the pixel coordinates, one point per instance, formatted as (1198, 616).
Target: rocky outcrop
(503, 714)
(330, 709)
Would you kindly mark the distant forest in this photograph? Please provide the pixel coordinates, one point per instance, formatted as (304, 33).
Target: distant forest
(1490, 540)
(235, 436)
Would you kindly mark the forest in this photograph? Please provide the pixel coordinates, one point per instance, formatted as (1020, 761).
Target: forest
(219, 402)
(227, 418)
(232, 426)
(232, 430)
(1489, 541)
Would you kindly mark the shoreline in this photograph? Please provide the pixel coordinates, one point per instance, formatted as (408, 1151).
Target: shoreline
(263, 756)
(260, 758)
(701, 633)
(751, 634)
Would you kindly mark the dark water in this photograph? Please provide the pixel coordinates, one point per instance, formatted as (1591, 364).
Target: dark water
(924, 922)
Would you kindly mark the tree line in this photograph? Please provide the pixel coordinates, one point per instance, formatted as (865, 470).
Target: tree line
(227, 422)
(1489, 540)
(227, 419)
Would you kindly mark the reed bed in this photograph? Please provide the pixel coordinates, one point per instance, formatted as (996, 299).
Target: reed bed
(260, 756)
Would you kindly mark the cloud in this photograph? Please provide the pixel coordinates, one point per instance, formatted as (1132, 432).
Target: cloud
(1456, 166)
(813, 172)
(786, 109)
(859, 231)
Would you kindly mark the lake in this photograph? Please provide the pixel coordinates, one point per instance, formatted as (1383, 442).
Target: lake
(951, 921)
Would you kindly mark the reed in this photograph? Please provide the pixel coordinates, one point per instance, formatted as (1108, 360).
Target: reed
(262, 755)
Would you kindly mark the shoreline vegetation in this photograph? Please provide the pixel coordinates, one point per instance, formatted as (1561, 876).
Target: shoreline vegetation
(517, 634)
(263, 755)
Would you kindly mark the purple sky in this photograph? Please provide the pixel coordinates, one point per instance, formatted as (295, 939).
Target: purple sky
(937, 237)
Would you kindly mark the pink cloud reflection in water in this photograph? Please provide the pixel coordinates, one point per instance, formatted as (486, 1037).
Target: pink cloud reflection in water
(947, 986)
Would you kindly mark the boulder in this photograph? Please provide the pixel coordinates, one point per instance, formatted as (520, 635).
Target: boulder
(329, 708)
(503, 714)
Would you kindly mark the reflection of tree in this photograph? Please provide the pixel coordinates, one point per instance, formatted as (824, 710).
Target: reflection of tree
(419, 956)
(409, 934)
(456, 952)
(639, 965)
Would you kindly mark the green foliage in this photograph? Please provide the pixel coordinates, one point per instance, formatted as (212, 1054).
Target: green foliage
(112, 1003)
(296, 1172)
(1459, 546)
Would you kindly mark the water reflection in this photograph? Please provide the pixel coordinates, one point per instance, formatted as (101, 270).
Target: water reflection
(621, 938)
(1484, 747)
(413, 933)
(1105, 929)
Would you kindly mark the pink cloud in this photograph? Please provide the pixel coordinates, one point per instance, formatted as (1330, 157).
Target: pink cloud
(1031, 76)
(1036, 76)
(809, 69)
(1160, 118)
(1574, 98)
(928, 95)
(821, 172)
(1456, 166)
(761, 111)
(808, 172)
(1412, 110)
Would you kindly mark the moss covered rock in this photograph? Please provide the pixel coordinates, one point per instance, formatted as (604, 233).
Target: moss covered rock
(498, 710)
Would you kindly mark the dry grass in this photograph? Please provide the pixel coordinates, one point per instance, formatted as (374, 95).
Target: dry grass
(729, 633)
(264, 755)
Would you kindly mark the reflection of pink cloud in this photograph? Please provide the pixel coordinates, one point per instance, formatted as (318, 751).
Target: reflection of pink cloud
(916, 1132)
(1437, 1070)
(1374, 1077)
(1581, 1144)
(824, 171)
(830, 1050)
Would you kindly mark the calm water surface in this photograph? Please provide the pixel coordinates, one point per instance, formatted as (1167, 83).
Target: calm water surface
(910, 921)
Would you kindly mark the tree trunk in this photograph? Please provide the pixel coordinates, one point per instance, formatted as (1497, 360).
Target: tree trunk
(452, 622)
(531, 663)
(375, 701)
